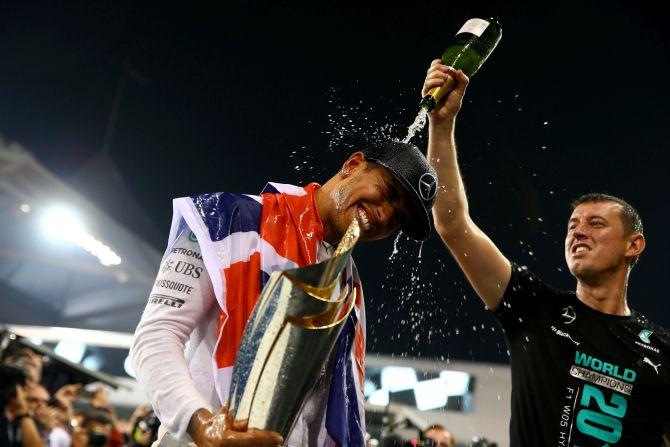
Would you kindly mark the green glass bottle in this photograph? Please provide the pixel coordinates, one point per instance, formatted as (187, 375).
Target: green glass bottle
(472, 45)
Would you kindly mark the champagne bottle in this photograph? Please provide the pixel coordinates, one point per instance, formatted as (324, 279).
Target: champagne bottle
(472, 45)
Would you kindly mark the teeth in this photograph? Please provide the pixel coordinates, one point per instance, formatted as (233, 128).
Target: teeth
(364, 219)
(580, 249)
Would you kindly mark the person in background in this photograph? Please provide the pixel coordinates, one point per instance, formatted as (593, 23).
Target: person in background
(439, 435)
(27, 360)
(60, 435)
(17, 426)
(98, 427)
(38, 398)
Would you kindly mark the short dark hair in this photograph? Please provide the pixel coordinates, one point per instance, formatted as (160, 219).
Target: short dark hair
(628, 215)
(630, 218)
(10, 376)
(96, 415)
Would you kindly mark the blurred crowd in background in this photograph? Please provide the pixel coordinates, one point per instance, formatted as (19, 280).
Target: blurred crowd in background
(37, 413)
(69, 410)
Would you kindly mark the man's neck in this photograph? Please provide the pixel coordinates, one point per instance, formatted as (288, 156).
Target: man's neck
(324, 208)
(606, 294)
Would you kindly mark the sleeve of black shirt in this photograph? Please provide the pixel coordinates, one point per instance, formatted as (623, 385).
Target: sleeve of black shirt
(523, 299)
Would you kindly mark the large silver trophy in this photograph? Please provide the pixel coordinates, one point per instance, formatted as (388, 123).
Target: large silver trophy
(289, 337)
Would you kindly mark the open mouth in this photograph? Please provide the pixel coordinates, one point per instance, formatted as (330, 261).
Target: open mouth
(578, 249)
(363, 219)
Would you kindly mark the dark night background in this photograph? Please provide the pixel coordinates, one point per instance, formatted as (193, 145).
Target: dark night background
(225, 98)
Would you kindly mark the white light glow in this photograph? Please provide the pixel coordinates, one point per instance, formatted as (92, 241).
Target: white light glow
(92, 362)
(107, 339)
(430, 394)
(128, 367)
(35, 340)
(369, 387)
(398, 378)
(71, 350)
(456, 382)
(379, 397)
(25, 208)
(62, 224)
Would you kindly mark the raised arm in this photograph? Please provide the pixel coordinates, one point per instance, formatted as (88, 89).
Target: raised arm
(30, 435)
(484, 265)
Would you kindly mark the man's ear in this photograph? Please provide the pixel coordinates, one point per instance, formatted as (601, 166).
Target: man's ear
(354, 162)
(636, 244)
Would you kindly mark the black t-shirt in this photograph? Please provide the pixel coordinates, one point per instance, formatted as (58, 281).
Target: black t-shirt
(581, 377)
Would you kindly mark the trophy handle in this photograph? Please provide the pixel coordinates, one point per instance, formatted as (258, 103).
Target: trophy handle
(313, 321)
(319, 293)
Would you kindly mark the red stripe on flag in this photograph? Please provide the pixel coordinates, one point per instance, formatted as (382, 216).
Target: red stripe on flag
(359, 342)
(291, 224)
(243, 288)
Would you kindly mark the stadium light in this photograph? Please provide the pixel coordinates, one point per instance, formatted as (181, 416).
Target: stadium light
(92, 362)
(71, 350)
(398, 378)
(431, 394)
(379, 397)
(369, 387)
(456, 382)
(61, 223)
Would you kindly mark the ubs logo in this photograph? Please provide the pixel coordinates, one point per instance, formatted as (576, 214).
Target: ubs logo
(188, 269)
(427, 186)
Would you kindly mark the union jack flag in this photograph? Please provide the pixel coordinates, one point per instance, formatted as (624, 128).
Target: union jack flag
(243, 239)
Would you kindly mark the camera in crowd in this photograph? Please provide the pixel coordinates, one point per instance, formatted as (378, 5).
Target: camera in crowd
(48, 402)
(145, 430)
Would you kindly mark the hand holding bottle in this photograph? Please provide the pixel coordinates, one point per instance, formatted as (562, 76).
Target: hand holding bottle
(209, 429)
(448, 107)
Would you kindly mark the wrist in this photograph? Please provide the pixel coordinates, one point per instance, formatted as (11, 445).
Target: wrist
(15, 409)
(198, 419)
(443, 124)
(23, 415)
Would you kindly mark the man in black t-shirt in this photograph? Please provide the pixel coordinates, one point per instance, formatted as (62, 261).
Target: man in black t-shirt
(586, 369)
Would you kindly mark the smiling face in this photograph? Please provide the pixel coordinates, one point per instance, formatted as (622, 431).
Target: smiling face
(368, 193)
(596, 241)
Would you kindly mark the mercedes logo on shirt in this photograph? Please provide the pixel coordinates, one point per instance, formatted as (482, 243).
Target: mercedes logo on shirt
(427, 186)
(569, 315)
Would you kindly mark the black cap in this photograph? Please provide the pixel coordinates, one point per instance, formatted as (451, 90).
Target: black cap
(409, 166)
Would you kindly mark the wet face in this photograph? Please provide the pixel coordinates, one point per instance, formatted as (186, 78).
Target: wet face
(596, 242)
(372, 196)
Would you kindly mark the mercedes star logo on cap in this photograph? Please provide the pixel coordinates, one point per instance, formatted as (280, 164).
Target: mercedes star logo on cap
(427, 186)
